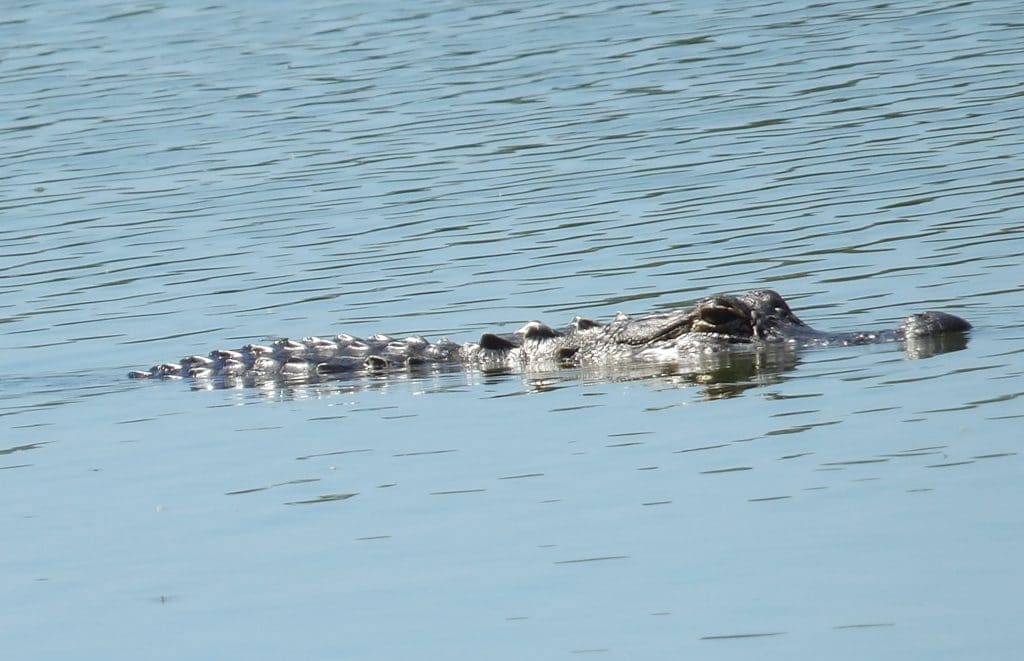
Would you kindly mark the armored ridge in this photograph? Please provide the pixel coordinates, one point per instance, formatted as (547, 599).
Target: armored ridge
(752, 321)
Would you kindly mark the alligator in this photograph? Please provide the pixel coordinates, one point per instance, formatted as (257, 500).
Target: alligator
(759, 320)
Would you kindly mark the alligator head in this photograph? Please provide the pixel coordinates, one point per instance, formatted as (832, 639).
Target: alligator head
(759, 314)
(763, 315)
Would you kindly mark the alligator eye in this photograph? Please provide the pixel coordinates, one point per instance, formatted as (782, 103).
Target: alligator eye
(718, 316)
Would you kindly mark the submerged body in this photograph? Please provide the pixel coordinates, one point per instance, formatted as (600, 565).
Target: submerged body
(757, 320)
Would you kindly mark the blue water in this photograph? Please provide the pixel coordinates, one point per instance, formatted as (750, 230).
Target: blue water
(185, 176)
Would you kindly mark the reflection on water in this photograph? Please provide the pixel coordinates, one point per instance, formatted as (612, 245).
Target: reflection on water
(933, 345)
(718, 375)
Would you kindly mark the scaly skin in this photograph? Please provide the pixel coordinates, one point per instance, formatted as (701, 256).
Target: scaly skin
(758, 319)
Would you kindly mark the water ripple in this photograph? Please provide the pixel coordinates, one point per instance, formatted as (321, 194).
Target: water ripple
(187, 175)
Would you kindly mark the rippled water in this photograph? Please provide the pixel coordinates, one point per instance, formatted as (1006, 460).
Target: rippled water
(182, 176)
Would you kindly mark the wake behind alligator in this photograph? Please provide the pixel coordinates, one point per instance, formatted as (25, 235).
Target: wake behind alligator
(759, 320)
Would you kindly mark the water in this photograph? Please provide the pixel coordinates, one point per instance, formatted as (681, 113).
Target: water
(185, 176)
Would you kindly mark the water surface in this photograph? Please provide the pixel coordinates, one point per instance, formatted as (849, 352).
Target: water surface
(185, 176)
